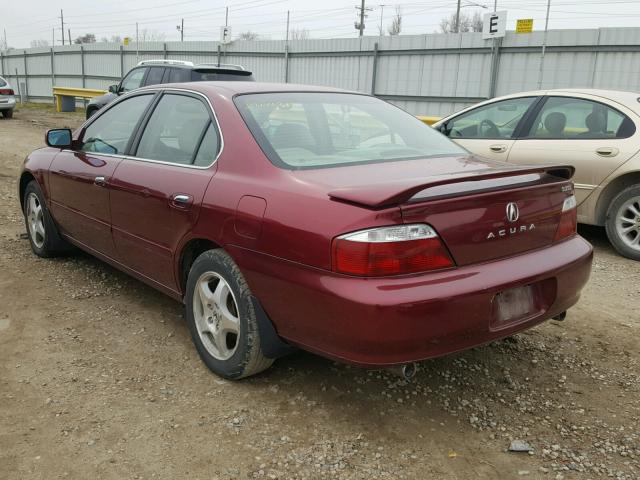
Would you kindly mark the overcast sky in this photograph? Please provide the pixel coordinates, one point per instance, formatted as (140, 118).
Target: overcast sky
(29, 20)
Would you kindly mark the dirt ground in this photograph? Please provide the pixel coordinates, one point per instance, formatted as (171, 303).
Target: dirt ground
(99, 379)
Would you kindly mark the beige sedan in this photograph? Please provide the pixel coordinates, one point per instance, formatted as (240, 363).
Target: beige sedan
(596, 131)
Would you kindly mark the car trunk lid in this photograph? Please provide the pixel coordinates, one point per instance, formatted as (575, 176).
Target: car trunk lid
(481, 215)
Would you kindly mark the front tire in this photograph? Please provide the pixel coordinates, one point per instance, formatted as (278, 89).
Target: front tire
(7, 113)
(221, 317)
(623, 222)
(41, 229)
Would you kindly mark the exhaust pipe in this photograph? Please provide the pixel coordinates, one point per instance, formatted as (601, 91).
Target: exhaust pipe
(406, 371)
(561, 316)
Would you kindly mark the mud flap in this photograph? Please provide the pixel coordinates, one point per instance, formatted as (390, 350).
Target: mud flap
(272, 345)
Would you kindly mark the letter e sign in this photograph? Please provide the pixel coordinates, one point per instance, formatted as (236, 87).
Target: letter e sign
(494, 25)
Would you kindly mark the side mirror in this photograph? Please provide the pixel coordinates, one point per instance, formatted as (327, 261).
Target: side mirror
(59, 138)
(113, 89)
(442, 128)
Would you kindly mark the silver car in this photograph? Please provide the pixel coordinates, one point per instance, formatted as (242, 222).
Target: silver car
(7, 99)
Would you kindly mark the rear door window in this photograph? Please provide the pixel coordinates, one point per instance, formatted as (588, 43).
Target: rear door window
(155, 76)
(111, 131)
(575, 118)
(175, 130)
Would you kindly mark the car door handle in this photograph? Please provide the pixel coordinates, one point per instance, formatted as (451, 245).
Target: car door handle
(607, 151)
(181, 201)
(498, 148)
(100, 181)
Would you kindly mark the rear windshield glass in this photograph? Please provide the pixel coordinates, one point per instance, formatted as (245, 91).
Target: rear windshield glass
(311, 130)
(219, 77)
(2, 82)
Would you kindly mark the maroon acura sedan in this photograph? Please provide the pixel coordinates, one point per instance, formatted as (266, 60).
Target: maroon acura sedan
(294, 216)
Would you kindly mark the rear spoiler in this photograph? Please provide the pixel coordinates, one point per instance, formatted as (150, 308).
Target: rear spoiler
(386, 194)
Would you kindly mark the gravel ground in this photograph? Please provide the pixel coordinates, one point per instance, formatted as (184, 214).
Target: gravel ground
(99, 379)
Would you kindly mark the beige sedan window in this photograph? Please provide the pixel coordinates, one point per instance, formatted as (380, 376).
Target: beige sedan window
(575, 118)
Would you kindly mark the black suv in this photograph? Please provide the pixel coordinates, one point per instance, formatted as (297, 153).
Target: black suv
(153, 72)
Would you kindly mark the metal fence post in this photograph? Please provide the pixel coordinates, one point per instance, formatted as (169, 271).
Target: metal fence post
(595, 62)
(218, 54)
(286, 64)
(53, 72)
(495, 66)
(121, 62)
(2, 63)
(374, 68)
(82, 65)
(26, 76)
(164, 50)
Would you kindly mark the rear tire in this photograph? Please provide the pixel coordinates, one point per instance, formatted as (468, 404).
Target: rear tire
(42, 231)
(222, 319)
(623, 222)
(7, 113)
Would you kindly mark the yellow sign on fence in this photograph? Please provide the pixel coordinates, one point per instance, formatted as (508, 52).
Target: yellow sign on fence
(126, 41)
(524, 25)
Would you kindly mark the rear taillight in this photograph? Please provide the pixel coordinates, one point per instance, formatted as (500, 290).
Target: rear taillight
(6, 91)
(390, 251)
(568, 219)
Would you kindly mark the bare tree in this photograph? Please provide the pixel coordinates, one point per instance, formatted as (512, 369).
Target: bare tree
(396, 23)
(86, 38)
(151, 36)
(39, 43)
(113, 39)
(248, 35)
(468, 23)
(476, 22)
(299, 34)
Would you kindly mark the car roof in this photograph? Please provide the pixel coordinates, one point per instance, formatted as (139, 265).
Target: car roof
(230, 89)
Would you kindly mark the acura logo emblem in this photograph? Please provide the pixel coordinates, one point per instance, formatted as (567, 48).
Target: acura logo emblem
(512, 212)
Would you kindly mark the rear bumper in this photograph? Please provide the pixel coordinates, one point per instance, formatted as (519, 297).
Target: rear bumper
(7, 105)
(379, 322)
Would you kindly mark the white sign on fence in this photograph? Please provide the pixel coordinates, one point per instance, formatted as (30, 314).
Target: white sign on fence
(225, 35)
(494, 25)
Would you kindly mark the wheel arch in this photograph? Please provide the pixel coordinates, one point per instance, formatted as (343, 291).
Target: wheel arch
(188, 254)
(612, 189)
(25, 178)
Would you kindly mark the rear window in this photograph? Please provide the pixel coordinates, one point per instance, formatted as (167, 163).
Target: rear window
(204, 76)
(2, 82)
(313, 130)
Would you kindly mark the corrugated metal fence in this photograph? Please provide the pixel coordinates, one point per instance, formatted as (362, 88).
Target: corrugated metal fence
(426, 74)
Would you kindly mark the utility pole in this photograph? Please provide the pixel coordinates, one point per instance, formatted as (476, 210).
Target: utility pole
(53, 37)
(62, 24)
(6, 45)
(287, 37)
(360, 25)
(182, 30)
(457, 26)
(382, 5)
(226, 17)
(69, 32)
(544, 45)
(137, 43)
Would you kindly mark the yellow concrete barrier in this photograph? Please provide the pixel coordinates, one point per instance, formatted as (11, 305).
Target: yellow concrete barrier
(428, 120)
(72, 92)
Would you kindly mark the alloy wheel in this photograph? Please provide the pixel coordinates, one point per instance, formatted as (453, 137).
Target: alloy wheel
(216, 315)
(628, 223)
(35, 220)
